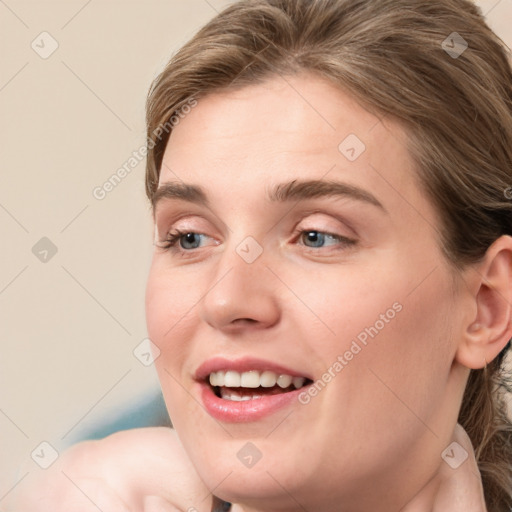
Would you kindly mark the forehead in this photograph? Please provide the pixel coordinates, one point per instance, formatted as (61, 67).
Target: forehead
(298, 127)
(309, 115)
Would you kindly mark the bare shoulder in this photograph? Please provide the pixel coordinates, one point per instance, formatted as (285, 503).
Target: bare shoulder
(156, 444)
(135, 470)
(148, 467)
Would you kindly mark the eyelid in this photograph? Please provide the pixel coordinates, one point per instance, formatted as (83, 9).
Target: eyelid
(342, 242)
(327, 223)
(318, 221)
(322, 232)
(179, 222)
(332, 222)
(166, 218)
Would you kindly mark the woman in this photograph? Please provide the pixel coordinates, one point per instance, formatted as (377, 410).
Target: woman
(331, 285)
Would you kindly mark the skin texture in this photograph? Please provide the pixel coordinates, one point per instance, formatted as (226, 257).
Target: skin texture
(391, 412)
(372, 438)
(140, 470)
(147, 470)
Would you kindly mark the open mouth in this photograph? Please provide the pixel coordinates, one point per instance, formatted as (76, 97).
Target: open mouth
(253, 384)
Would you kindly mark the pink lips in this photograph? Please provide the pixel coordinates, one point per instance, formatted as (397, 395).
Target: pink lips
(245, 411)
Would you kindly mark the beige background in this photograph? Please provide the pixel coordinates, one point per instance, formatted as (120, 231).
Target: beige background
(69, 326)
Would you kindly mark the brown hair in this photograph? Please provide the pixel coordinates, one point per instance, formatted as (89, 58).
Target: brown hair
(400, 58)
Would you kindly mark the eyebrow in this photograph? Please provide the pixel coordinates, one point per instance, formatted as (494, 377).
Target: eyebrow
(291, 191)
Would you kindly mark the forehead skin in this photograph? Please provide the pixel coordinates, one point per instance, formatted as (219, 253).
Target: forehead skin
(291, 128)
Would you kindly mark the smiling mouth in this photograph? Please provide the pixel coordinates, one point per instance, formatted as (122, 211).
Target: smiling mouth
(253, 384)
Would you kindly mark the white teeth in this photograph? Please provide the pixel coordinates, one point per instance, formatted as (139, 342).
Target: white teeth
(235, 396)
(298, 382)
(250, 379)
(268, 379)
(232, 379)
(254, 379)
(216, 379)
(284, 381)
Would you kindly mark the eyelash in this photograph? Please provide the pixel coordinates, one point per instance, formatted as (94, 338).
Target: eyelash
(171, 243)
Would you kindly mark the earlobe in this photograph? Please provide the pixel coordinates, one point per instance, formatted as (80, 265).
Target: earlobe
(490, 330)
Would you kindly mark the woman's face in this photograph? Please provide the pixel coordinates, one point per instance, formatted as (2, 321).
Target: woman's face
(313, 255)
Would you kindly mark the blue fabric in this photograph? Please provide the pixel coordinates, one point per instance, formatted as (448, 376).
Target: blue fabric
(149, 413)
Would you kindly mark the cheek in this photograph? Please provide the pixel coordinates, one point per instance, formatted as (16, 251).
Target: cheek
(401, 352)
(171, 317)
(418, 347)
(333, 309)
(169, 310)
(169, 304)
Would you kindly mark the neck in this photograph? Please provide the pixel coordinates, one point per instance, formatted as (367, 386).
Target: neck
(456, 490)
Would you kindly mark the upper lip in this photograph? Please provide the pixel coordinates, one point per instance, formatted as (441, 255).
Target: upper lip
(241, 365)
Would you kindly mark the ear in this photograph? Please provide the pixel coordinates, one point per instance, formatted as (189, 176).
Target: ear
(488, 332)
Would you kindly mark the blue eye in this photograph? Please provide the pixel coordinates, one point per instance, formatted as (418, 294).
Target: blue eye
(187, 241)
(317, 238)
(182, 241)
(190, 240)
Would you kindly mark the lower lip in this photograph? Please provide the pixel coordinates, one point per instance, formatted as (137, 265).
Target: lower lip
(247, 410)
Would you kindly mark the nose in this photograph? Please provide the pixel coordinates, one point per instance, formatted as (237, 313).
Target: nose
(241, 294)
